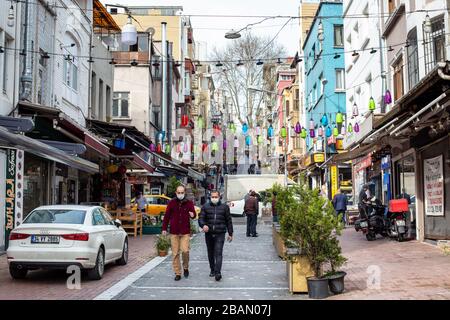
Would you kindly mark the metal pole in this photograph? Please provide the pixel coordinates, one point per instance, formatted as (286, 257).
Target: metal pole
(164, 76)
(26, 78)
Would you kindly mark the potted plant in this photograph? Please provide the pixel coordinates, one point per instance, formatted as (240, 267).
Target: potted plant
(162, 245)
(335, 278)
(310, 222)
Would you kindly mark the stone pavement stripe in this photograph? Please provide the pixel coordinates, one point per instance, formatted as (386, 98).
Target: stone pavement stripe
(126, 282)
(209, 288)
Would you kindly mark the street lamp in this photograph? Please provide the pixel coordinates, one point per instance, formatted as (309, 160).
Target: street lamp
(129, 33)
(232, 34)
(320, 34)
(11, 16)
(427, 25)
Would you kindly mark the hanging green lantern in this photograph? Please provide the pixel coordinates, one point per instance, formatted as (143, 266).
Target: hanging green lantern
(233, 128)
(335, 131)
(372, 105)
(167, 148)
(260, 139)
(215, 146)
(200, 122)
(283, 132)
(304, 134)
(349, 128)
(339, 118)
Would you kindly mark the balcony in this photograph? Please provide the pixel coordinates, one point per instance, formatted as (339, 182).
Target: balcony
(125, 57)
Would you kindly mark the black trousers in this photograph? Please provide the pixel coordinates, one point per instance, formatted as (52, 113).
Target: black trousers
(251, 224)
(214, 244)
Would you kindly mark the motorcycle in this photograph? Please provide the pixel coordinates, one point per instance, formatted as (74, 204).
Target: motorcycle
(373, 220)
(396, 217)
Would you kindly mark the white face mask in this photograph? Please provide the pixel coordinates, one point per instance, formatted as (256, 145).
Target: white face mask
(215, 201)
(180, 196)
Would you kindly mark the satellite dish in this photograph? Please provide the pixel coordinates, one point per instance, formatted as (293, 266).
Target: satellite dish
(151, 31)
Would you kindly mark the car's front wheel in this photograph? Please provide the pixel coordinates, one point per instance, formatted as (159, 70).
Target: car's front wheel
(124, 258)
(17, 273)
(97, 272)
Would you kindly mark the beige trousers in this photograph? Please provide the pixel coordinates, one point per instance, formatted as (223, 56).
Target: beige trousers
(180, 245)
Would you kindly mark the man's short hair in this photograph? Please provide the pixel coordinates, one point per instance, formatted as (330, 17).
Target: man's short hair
(182, 186)
(215, 191)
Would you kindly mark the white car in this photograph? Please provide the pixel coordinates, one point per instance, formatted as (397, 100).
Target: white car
(237, 208)
(56, 237)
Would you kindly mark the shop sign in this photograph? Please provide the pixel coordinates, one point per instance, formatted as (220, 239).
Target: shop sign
(14, 190)
(334, 181)
(319, 157)
(434, 186)
(307, 161)
(363, 163)
(138, 180)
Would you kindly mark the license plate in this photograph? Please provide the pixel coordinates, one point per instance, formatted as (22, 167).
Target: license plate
(44, 239)
(400, 223)
(364, 224)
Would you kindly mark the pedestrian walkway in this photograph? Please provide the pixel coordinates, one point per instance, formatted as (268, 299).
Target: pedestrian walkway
(251, 270)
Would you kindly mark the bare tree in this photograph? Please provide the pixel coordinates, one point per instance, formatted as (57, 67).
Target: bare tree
(236, 79)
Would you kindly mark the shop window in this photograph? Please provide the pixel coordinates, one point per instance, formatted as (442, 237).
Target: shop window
(35, 183)
(406, 185)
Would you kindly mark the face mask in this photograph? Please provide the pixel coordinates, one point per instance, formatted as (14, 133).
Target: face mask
(180, 196)
(214, 200)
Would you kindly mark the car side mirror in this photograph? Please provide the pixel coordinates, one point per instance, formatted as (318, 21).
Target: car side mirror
(118, 223)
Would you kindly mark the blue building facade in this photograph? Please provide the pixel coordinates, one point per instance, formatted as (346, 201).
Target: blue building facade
(324, 81)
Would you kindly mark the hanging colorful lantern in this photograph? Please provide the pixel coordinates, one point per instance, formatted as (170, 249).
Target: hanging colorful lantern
(233, 127)
(328, 132)
(200, 122)
(159, 148)
(248, 140)
(244, 128)
(112, 168)
(304, 134)
(178, 147)
(260, 139)
(320, 132)
(339, 118)
(258, 130)
(298, 128)
(356, 127)
(350, 128)
(204, 147)
(215, 146)
(312, 133)
(355, 111)
(224, 144)
(122, 169)
(387, 97)
(185, 147)
(335, 131)
(372, 105)
(167, 149)
(152, 147)
(324, 120)
(184, 120)
(270, 132)
(311, 124)
(236, 142)
(343, 131)
(283, 132)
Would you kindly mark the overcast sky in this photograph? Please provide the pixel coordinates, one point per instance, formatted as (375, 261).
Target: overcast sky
(212, 30)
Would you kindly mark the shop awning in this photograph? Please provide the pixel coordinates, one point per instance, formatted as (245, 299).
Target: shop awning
(142, 163)
(357, 152)
(9, 139)
(94, 143)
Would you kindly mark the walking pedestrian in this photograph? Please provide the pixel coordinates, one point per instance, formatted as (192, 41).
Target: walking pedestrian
(141, 202)
(178, 212)
(251, 209)
(340, 204)
(215, 220)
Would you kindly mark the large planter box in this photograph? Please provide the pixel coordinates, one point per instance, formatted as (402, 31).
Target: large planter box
(278, 242)
(298, 268)
(151, 229)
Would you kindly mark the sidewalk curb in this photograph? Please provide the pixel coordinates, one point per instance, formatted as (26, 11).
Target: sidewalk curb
(126, 282)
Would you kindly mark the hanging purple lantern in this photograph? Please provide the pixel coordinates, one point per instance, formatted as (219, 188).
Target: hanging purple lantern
(387, 97)
(312, 133)
(152, 147)
(224, 144)
(356, 127)
(298, 128)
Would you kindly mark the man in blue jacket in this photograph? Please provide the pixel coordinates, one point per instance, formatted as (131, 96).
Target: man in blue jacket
(340, 204)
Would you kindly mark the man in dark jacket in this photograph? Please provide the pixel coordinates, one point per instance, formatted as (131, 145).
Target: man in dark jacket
(215, 220)
(340, 204)
(251, 210)
(178, 212)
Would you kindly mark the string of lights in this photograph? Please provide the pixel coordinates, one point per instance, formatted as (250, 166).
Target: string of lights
(218, 63)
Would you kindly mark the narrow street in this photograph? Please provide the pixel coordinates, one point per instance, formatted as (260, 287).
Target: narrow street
(251, 271)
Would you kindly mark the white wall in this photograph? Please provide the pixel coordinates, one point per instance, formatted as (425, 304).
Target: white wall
(358, 71)
(9, 97)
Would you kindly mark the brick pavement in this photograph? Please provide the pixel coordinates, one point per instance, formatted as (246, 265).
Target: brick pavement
(408, 270)
(51, 284)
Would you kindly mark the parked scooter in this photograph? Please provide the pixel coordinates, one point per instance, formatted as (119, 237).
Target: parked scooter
(373, 221)
(396, 217)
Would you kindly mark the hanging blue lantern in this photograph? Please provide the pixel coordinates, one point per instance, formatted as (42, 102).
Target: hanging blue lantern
(324, 120)
(270, 131)
(328, 132)
(248, 140)
(244, 128)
